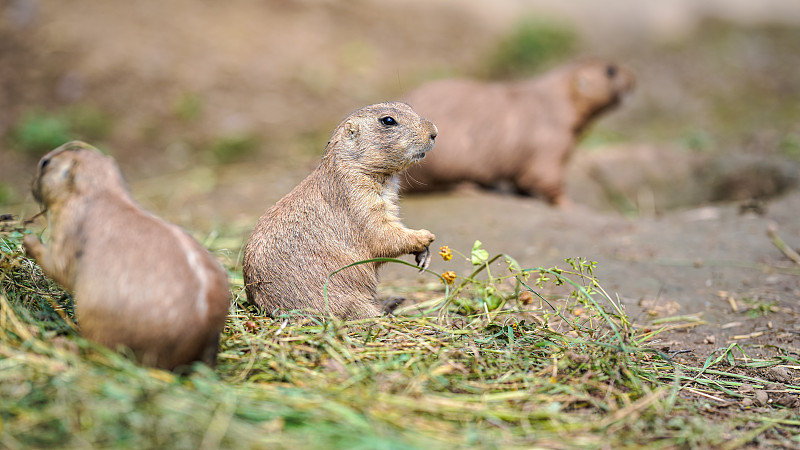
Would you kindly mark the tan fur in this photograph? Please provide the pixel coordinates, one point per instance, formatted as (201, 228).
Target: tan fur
(521, 132)
(137, 280)
(343, 212)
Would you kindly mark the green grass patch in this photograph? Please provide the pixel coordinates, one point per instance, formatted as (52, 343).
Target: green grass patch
(790, 146)
(188, 107)
(233, 148)
(504, 356)
(531, 46)
(38, 132)
(7, 194)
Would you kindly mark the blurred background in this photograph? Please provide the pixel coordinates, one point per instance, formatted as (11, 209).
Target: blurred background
(214, 110)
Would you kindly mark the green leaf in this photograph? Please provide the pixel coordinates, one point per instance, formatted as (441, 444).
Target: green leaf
(479, 255)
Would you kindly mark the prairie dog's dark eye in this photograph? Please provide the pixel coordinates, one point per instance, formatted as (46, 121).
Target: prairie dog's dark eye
(44, 164)
(388, 121)
(611, 71)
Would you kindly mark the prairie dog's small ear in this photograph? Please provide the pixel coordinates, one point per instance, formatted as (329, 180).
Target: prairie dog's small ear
(70, 173)
(56, 168)
(62, 171)
(351, 129)
(66, 173)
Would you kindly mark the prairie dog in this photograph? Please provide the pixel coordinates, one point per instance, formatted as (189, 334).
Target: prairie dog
(521, 132)
(345, 211)
(138, 281)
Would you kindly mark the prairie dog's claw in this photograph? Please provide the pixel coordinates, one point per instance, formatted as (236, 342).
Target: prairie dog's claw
(423, 259)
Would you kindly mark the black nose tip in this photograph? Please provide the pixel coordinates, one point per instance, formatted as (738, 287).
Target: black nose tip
(434, 133)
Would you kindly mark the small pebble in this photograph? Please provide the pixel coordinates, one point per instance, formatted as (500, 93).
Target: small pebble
(761, 398)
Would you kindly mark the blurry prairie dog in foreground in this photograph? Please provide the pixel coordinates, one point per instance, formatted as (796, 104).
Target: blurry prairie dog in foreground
(137, 280)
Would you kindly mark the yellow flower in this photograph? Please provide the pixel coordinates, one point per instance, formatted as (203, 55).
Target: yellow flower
(447, 255)
(449, 276)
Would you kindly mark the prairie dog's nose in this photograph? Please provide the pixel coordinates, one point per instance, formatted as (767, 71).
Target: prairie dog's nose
(434, 132)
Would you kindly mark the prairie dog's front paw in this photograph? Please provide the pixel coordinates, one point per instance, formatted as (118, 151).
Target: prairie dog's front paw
(422, 253)
(32, 246)
(424, 238)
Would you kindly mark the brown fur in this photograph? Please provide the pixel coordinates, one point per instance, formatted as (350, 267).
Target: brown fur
(521, 132)
(345, 211)
(138, 281)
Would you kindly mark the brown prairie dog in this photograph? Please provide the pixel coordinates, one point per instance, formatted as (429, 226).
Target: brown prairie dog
(138, 281)
(520, 132)
(345, 211)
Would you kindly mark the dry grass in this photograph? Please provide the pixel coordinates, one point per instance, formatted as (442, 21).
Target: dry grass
(565, 370)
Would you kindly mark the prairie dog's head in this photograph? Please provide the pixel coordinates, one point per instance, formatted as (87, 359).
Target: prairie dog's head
(75, 168)
(384, 138)
(597, 84)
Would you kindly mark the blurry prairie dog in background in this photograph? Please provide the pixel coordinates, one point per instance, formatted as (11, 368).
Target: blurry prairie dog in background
(522, 132)
(343, 212)
(137, 280)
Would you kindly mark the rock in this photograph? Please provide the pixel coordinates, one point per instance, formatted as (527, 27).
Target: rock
(779, 374)
(788, 400)
(761, 397)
